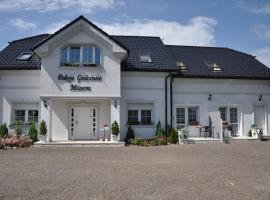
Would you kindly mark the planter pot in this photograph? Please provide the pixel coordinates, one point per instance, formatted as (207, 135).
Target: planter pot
(114, 138)
(101, 140)
(42, 138)
(260, 136)
(106, 140)
(254, 132)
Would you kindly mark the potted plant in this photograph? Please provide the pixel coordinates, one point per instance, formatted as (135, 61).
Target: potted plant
(42, 131)
(115, 131)
(254, 130)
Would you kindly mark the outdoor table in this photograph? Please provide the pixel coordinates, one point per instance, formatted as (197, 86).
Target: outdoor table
(200, 127)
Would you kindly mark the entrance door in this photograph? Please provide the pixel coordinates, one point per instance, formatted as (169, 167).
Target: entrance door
(83, 123)
(259, 116)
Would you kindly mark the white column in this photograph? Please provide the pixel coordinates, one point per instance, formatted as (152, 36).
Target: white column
(7, 114)
(45, 114)
(115, 112)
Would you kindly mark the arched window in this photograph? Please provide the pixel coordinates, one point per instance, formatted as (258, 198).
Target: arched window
(81, 55)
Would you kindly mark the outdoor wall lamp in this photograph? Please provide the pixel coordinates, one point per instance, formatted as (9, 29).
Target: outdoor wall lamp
(210, 97)
(45, 103)
(115, 104)
(260, 97)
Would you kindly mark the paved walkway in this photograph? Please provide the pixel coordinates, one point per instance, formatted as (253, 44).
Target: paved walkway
(240, 170)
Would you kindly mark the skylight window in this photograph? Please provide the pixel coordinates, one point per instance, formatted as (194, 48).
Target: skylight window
(145, 59)
(181, 65)
(214, 67)
(25, 56)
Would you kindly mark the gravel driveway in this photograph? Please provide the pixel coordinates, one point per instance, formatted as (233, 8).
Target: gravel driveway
(240, 170)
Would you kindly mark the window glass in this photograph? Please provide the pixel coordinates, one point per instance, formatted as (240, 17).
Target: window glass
(145, 59)
(74, 55)
(146, 117)
(97, 56)
(64, 56)
(180, 115)
(223, 113)
(25, 56)
(33, 116)
(20, 115)
(87, 55)
(133, 117)
(233, 115)
(192, 114)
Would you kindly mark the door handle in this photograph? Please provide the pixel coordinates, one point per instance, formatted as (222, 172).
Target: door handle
(76, 122)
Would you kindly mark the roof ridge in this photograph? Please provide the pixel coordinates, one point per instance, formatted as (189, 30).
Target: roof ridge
(194, 46)
(30, 37)
(135, 36)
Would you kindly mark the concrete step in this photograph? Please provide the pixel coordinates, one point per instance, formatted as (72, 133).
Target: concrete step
(79, 144)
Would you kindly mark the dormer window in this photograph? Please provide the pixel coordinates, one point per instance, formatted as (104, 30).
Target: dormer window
(81, 55)
(181, 66)
(214, 67)
(145, 59)
(25, 56)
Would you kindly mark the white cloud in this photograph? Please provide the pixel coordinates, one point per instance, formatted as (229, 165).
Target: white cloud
(263, 9)
(198, 31)
(85, 6)
(54, 27)
(262, 31)
(263, 55)
(21, 24)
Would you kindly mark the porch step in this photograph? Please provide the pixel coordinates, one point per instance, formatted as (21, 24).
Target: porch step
(198, 141)
(80, 144)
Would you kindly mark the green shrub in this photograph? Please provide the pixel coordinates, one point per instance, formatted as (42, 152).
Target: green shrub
(173, 136)
(249, 133)
(18, 128)
(159, 131)
(226, 140)
(3, 130)
(115, 128)
(32, 133)
(43, 128)
(130, 135)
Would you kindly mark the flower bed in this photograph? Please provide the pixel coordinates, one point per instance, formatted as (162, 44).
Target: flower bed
(156, 141)
(13, 141)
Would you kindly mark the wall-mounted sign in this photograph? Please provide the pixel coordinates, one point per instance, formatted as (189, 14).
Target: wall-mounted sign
(79, 78)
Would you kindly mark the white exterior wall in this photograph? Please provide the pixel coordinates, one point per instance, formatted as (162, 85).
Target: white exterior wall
(150, 88)
(143, 88)
(17, 87)
(61, 115)
(109, 86)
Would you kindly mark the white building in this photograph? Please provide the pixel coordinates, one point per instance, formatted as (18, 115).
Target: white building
(80, 78)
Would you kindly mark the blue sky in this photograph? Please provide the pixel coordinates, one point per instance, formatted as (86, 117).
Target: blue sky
(241, 25)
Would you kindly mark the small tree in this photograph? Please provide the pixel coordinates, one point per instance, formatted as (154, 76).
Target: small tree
(159, 130)
(18, 128)
(130, 135)
(43, 128)
(32, 133)
(115, 128)
(3, 130)
(173, 136)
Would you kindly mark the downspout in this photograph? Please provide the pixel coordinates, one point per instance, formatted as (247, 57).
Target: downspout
(171, 100)
(166, 105)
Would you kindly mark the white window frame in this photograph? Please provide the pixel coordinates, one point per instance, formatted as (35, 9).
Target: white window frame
(181, 125)
(81, 63)
(26, 107)
(140, 107)
(228, 119)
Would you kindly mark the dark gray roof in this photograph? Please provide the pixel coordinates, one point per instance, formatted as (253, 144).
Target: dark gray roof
(234, 64)
(162, 60)
(9, 55)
